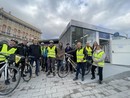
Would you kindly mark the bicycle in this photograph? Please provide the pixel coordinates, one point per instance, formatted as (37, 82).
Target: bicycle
(27, 72)
(65, 68)
(7, 74)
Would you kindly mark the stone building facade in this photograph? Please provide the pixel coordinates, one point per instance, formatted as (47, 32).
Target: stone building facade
(12, 27)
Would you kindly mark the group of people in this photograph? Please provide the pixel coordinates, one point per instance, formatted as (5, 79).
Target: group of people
(48, 55)
(87, 56)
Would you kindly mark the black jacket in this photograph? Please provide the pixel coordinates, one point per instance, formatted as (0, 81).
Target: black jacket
(35, 50)
(22, 49)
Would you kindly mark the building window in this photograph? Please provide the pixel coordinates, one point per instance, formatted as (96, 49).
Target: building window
(15, 32)
(19, 32)
(23, 34)
(8, 30)
(4, 28)
(89, 36)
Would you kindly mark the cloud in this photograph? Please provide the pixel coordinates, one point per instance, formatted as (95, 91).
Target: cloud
(52, 16)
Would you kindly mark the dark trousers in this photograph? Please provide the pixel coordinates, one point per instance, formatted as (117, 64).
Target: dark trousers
(82, 67)
(59, 63)
(44, 63)
(100, 72)
(37, 65)
(89, 61)
(22, 62)
(51, 64)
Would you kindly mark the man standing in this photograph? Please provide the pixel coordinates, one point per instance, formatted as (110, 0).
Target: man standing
(9, 49)
(44, 57)
(51, 56)
(67, 50)
(35, 51)
(60, 55)
(22, 51)
(81, 60)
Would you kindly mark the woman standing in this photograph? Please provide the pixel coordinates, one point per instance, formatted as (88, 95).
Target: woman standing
(98, 61)
(94, 46)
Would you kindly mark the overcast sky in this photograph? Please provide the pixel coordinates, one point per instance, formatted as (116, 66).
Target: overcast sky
(52, 16)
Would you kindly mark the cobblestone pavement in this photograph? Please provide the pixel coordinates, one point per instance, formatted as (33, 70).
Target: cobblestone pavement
(55, 87)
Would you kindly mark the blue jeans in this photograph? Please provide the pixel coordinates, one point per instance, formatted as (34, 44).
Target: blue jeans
(59, 63)
(37, 65)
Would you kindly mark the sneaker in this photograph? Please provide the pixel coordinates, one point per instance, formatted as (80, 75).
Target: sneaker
(14, 79)
(100, 82)
(48, 74)
(54, 74)
(92, 78)
(7, 82)
(82, 78)
(76, 78)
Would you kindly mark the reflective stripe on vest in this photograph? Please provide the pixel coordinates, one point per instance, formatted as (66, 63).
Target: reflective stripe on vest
(80, 55)
(89, 50)
(51, 52)
(4, 50)
(42, 49)
(99, 56)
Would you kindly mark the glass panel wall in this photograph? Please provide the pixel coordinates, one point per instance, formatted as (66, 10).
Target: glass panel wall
(83, 35)
(77, 35)
(66, 37)
(89, 36)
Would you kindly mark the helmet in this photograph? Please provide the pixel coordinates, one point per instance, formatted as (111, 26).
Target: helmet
(51, 41)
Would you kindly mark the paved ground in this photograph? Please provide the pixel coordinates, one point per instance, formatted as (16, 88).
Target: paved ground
(55, 87)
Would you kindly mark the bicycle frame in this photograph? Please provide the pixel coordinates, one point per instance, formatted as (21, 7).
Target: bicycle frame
(4, 68)
(72, 62)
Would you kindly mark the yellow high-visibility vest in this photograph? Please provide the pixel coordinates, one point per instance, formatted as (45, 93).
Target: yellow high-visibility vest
(51, 52)
(5, 50)
(99, 56)
(80, 55)
(89, 50)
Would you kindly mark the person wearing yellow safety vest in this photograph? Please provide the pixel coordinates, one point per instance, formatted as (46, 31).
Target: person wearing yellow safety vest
(89, 52)
(81, 60)
(9, 49)
(44, 57)
(98, 61)
(51, 57)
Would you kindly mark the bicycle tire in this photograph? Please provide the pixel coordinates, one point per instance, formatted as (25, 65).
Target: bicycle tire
(17, 82)
(28, 72)
(88, 70)
(64, 69)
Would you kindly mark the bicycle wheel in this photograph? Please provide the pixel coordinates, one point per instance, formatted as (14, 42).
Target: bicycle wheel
(27, 73)
(9, 85)
(88, 69)
(63, 70)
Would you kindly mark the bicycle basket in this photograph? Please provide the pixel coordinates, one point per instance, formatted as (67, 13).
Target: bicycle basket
(14, 58)
(17, 58)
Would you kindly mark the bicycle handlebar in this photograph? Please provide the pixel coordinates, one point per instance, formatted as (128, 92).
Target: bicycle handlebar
(69, 55)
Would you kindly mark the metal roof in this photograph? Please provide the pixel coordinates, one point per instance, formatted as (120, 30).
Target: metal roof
(87, 26)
